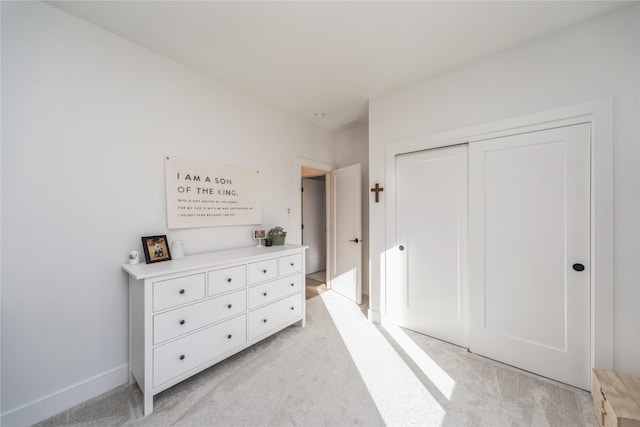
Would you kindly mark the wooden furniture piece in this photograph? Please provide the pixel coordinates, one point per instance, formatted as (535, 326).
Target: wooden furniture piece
(188, 314)
(616, 398)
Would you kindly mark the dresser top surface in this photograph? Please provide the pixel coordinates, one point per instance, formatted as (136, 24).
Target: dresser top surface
(208, 259)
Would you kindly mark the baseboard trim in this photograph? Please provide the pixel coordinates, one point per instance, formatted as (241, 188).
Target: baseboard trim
(374, 316)
(315, 264)
(66, 398)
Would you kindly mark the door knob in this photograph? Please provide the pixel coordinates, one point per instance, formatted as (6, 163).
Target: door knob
(355, 240)
(401, 247)
(578, 267)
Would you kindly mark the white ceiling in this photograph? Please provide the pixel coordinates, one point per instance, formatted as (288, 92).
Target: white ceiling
(330, 57)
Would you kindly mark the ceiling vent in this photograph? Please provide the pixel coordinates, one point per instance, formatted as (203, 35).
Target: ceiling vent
(353, 124)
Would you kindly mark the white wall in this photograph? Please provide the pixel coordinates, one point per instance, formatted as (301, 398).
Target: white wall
(87, 118)
(595, 60)
(352, 146)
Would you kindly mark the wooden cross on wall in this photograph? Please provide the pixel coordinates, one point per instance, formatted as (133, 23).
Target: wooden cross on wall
(377, 189)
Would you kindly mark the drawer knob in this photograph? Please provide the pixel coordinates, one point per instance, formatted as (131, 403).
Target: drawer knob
(229, 336)
(229, 280)
(181, 291)
(292, 308)
(264, 320)
(182, 356)
(229, 306)
(182, 322)
(292, 285)
(291, 264)
(264, 293)
(264, 271)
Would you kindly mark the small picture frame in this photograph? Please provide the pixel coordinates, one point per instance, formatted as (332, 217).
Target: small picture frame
(156, 249)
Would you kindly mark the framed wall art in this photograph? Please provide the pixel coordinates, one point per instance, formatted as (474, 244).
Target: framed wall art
(202, 194)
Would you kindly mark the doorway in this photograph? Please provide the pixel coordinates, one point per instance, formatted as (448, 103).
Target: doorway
(343, 226)
(313, 229)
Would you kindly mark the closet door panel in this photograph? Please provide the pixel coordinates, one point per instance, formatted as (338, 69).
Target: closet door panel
(529, 224)
(429, 293)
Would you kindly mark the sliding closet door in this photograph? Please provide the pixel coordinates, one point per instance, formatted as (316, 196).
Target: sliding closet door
(426, 285)
(529, 259)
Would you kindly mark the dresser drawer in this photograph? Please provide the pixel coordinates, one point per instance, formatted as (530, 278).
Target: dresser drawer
(289, 264)
(263, 270)
(264, 319)
(180, 321)
(180, 356)
(174, 292)
(271, 291)
(227, 279)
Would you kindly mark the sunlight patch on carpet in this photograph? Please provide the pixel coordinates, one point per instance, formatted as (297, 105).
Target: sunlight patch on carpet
(398, 393)
(431, 369)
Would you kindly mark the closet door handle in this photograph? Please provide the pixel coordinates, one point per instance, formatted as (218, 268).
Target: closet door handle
(355, 240)
(578, 267)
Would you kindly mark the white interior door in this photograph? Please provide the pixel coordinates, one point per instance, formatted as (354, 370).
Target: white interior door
(345, 270)
(529, 232)
(429, 293)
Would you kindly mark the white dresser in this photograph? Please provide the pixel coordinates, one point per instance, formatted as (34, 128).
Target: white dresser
(186, 315)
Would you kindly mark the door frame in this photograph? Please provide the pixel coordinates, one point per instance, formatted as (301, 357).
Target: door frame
(600, 116)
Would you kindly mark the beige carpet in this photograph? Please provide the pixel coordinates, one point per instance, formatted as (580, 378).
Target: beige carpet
(342, 370)
(315, 288)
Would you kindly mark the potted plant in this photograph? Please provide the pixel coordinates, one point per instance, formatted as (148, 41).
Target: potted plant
(277, 235)
(268, 241)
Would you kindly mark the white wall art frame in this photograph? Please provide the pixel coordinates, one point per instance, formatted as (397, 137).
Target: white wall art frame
(202, 194)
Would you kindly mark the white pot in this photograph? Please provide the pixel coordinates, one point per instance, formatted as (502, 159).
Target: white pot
(177, 249)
